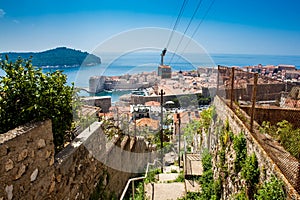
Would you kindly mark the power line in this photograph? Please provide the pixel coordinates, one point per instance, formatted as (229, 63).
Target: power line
(177, 21)
(192, 18)
(197, 28)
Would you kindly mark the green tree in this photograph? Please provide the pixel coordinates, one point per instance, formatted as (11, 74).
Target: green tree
(206, 117)
(192, 128)
(27, 94)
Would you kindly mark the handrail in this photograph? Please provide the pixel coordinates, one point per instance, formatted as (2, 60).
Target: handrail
(137, 178)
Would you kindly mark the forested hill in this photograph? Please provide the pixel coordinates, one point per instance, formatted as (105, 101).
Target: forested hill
(60, 56)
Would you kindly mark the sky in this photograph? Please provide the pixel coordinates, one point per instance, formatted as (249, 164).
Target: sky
(230, 27)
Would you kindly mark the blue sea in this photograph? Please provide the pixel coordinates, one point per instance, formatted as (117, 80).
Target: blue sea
(137, 63)
(113, 65)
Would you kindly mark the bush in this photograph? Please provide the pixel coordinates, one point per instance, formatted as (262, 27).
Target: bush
(272, 189)
(180, 178)
(240, 147)
(250, 172)
(241, 195)
(27, 94)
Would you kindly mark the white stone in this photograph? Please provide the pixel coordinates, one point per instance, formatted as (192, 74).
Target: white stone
(9, 165)
(21, 171)
(9, 190)
(23, 155)
(41, 143)
(34, 175)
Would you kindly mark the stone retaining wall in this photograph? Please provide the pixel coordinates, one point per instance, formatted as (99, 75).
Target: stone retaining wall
(29, 169)
(266, 164)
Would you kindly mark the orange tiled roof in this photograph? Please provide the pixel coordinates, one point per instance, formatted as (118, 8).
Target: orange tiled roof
(148, 122)
(152, 103)
(165, 66)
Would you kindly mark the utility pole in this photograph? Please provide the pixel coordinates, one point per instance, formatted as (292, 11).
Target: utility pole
(253, 100)
(179, 145)
(134, 126)
(161, 129)
(232, 87)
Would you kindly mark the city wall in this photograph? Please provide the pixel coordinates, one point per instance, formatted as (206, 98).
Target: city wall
(267, 165)
(30, 170)
(274, 115)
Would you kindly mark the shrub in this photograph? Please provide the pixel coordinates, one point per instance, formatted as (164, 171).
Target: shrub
(272, 189)
(27, 94)
(240, 147)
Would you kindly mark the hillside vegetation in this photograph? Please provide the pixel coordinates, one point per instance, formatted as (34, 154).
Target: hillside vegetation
(60, 56)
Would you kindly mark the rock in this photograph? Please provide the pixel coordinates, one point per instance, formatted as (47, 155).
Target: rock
(51, 162)
(21, 171)
(9, 165)
(32, 154)
(41, 143)
(9, 190)
(48, 154)
(23, 155)
(58, 178)
(34, 175)
(52, 187)
(3, 151)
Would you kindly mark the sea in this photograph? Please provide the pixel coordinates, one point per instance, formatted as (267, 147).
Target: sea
(133, 63)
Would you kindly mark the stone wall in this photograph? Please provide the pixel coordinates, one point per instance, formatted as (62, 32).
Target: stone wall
(29, 169)
(103, 102)
(137, 99)
(27, 161)
(274, 115)
(266, 163)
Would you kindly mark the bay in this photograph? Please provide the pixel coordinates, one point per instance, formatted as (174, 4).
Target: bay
(138, 62)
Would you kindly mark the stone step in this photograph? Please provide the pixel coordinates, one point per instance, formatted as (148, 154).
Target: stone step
(167, 177)
(164, 191)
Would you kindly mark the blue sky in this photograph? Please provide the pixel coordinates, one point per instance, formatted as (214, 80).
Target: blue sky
(232, 26)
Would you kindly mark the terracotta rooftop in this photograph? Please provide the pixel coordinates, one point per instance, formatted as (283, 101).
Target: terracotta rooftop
(165, 66)
(154, 124)
(152, 103)
(89, 110)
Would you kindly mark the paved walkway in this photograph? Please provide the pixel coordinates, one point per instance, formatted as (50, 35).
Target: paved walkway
(162, 190)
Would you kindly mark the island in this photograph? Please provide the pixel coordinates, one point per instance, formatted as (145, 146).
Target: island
(60, 56)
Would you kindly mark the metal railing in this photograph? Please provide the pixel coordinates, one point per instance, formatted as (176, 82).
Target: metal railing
(138, 178)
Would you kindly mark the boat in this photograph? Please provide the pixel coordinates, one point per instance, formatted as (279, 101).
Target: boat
(108, 91)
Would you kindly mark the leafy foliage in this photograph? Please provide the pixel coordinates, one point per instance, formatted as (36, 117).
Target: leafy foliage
(27, 94)
(180, 177)
(151, 176)
(286, 134)
(239, 145)
(194, 127)
(58, 57)
(210, 188)
(241, 195)
(272, 189)
(139, 191)
(250, 172)
(206, 117)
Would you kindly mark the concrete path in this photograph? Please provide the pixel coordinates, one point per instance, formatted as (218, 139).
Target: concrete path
(162, 190)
